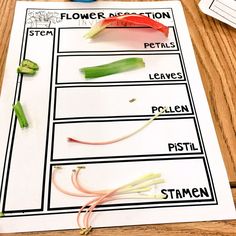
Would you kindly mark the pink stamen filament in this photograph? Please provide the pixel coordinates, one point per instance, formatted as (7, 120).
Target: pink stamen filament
(60, 189)
(78, 186)
(138, 187)
(107, 197)
(112, 194)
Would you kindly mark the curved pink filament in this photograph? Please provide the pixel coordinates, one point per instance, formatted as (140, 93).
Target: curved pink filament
(101, 199)
(112, 195)
(80, 211)
(89, 211)
(81, 188)
(101, 196)
(119, 138)
(82, 208)
(95, 143)
(59, 188)
(78, 186)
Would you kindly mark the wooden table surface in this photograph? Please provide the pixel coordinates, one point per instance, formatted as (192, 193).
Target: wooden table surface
(215, 48)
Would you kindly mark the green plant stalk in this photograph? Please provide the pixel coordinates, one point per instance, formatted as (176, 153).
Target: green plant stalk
(29, 64)
(26, 70)
(28, 67)
(113, 68)
(20, 115)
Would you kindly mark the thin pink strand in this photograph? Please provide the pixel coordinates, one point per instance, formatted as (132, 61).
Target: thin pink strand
(102, 199)
(92, 207)
(81, 188)
(96, 143)
(112, 195)
(120, 138)
(59, 188)
(81, 209)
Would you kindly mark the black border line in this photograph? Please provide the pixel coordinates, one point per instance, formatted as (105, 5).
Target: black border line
(48, 122)
(121, 82)
(20, 82)
(13, 215)
(13, 118)
(6, 163)
(123, 206)
(117, 51)
(120, 116)
(211, 4)
(151, 202)
(121, 156)
(159, 158)
(194, 109)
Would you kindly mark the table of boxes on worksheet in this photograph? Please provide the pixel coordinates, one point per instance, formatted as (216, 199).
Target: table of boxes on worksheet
(60, 103)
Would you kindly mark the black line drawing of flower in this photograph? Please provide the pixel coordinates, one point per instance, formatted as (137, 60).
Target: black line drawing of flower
(42, 19)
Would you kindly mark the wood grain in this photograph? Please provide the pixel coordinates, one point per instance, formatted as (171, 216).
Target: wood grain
(6, 16)
(215, 46)
(214, 228)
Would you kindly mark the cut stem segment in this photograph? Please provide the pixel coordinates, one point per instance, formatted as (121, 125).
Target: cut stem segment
(28, 67)
(20, 115)
(113, 67)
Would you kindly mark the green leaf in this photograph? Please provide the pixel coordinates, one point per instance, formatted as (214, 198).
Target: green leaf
(112, 68)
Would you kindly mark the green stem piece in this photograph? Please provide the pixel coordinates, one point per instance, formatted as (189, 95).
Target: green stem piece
(113, 68)
(26, 70)
(30, 64)
(28, 67)
(20, 115)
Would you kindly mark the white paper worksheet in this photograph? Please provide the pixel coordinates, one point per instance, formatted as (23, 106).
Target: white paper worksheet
(36, 163)
(223, 10)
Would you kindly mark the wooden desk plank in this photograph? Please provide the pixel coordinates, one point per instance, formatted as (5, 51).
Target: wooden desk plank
(6, 15)
(215, 46)
(219, 228)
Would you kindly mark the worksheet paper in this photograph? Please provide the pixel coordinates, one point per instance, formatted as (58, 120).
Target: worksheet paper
(59, 102)
(223, 10)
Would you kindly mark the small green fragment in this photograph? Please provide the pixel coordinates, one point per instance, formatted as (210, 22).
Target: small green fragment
(132, 100)
(113, 68)
(30, 64)
(1, 214)
(28, 67)
(20, 115)
(26, 70)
